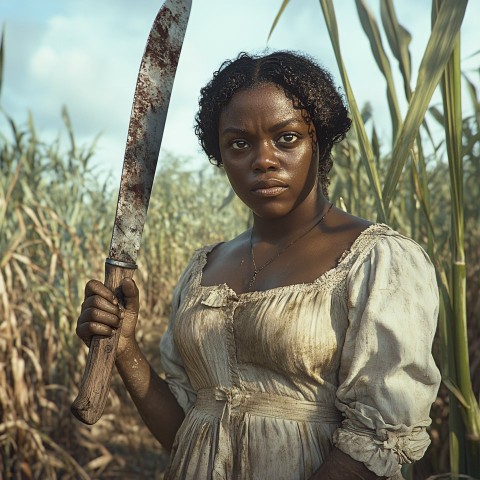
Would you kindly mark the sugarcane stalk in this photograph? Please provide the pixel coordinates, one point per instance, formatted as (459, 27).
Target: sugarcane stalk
(451, 93)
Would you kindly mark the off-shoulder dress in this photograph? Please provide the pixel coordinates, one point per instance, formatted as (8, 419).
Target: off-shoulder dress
(271, 380)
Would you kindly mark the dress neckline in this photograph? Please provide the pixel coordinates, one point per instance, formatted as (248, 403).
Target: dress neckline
(342, 264)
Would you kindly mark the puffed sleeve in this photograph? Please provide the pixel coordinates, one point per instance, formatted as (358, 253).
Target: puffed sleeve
(388, 379)
(172, 363)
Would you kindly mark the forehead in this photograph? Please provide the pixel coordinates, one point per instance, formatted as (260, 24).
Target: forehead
(266, 102)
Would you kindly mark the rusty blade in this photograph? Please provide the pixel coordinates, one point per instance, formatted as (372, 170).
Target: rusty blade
(147, 122)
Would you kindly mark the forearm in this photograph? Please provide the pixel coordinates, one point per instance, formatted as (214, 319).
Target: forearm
(152, 397)
(340, 466)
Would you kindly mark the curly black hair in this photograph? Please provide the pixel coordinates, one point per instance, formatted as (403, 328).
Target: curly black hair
(307, 84)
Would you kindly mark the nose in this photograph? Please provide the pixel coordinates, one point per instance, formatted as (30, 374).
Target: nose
(265, 159)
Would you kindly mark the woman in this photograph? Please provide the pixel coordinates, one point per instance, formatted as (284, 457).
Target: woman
(301, 348)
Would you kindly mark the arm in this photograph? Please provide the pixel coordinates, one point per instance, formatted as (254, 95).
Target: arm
(154, 401)
(340, 466)
(388, 379)
(101, 314)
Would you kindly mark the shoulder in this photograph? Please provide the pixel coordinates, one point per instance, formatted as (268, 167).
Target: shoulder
(224, 250)
(192, 271)
(341, 222)
(215, 251)
(393, 282)
(341, 231)
(366, 236)
(386, 254)
(382, 239)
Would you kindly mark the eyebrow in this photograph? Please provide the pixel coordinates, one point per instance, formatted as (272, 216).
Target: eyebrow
(233, 130)
(284, 123)
(277, 126)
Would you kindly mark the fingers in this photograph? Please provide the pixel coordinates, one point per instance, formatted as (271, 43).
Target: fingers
(129, 289)
(100, 303)
(100, 316)
(102, 312)
(130, 295)
(87, 330)
(93, 321)
(94, 287)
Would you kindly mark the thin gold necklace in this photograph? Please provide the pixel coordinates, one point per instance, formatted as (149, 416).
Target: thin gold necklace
(257, 270)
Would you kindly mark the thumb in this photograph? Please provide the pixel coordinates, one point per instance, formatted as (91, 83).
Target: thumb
(130, 295)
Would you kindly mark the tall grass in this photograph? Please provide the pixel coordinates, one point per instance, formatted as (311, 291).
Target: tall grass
(424, 197)
(55, 223)
(43, 248)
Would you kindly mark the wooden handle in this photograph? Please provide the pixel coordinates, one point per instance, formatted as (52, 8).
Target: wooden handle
(89, 405)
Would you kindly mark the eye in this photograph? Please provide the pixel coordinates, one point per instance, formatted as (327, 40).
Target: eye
(288, 138)
(239, 144)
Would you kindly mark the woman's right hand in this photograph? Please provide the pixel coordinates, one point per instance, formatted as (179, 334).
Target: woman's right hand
(101, 313)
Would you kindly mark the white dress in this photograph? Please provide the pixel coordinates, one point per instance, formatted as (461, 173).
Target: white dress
(271, 380)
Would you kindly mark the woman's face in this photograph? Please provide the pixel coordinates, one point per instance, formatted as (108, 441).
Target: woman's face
(267, 151)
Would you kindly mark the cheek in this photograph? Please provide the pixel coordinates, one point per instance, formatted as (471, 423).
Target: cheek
(307, 174)
(307, 164)
(315, 162)
(235, 177)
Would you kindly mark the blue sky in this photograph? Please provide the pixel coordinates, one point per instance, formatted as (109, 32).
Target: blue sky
(85, 55)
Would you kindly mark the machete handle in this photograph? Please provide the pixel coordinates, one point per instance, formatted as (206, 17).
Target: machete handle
(93, 392)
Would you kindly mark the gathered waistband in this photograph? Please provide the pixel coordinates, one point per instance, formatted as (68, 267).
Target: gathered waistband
(213, 401)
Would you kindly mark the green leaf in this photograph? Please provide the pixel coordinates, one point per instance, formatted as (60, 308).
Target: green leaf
(450, 384)
(366, 151)
(277, 18)
(375, 144)
(372, 31)
(399, 40)
(472, 90)
(437, 114)
(435, 58)
(2, 56)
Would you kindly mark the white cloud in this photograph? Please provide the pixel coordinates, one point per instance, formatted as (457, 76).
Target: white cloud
(43, 62)
(86, 55)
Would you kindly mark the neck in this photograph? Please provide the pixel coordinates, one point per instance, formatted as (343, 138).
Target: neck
(277, 230)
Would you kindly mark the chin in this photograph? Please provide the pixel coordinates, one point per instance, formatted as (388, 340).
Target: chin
(270, 213)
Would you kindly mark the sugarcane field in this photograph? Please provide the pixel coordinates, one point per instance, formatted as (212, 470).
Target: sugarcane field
(411, 160)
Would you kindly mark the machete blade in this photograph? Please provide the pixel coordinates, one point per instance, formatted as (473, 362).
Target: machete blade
(147, 122)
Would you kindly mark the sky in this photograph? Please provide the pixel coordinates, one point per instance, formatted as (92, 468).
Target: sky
(86, 54)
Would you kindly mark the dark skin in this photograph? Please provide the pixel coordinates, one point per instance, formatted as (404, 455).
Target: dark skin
(100, 315)
(270, 156)
(275, 146)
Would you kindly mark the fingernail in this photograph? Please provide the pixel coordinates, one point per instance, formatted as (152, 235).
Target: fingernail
(121, 312)
(115, 301)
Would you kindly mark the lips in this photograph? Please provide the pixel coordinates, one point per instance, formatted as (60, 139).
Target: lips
(268, 188)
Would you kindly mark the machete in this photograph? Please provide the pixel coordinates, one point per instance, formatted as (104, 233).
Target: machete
(145, 131)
